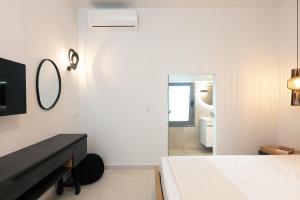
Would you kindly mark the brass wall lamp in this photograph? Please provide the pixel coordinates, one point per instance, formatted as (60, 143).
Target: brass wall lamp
(73, 59)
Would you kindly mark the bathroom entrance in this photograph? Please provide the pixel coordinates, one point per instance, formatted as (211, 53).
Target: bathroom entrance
(191, 114)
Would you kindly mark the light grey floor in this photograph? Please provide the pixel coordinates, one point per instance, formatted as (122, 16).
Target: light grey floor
(118, 183)
(190, 152)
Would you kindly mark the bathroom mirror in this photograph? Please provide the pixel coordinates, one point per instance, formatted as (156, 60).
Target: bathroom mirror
(48, 84)
(207, 94)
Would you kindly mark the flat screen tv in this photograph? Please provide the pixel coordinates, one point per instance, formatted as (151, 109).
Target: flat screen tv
(12, 88)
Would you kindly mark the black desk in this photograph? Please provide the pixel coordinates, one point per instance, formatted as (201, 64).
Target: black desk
(29, 172)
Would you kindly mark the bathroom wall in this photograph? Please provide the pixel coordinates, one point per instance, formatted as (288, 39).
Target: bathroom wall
(32, 30)
(187, 138)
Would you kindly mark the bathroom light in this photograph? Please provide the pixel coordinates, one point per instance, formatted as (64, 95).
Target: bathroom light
(294, 82)
(73, 59)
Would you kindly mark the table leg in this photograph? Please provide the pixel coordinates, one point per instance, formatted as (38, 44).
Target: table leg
(60, 187)
(75, 175)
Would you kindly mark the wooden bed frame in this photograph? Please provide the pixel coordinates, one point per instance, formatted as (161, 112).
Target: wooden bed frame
(158, 187)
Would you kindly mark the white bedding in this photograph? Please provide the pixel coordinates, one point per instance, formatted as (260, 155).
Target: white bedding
(256, 177)
(168, 182)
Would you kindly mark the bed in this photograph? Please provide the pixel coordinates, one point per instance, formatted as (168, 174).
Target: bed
(229, 177)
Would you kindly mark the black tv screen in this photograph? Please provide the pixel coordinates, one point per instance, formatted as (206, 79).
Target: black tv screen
(12, 88)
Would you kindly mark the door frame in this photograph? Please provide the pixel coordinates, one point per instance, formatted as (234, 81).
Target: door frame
(214, 108)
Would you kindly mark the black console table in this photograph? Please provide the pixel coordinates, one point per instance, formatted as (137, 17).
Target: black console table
(30, 172)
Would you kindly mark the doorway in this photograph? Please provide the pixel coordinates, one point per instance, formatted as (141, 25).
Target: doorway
(192, 123)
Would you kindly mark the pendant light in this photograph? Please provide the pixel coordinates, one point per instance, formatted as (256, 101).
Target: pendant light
(294, 82)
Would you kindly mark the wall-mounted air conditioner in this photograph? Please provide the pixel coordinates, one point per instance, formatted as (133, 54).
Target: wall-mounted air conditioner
(113, 19)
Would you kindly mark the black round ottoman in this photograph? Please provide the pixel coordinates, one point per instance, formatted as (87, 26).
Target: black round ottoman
(90, 169)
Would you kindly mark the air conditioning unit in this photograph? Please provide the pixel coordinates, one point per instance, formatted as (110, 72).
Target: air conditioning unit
(113, 19)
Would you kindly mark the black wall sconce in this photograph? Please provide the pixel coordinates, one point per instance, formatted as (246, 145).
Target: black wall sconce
(73, 59)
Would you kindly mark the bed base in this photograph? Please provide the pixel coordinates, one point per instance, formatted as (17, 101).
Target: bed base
(158, 187)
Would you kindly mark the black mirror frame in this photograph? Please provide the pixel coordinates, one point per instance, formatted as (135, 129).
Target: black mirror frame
(37, 84)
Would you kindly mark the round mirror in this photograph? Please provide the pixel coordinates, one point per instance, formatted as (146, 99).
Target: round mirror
(48, 84)
(207, 94)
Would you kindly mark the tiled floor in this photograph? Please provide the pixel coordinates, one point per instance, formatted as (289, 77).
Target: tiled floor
(187, 152)
(117, 183)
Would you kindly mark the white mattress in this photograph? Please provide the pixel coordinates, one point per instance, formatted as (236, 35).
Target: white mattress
(257, 177)
(170, 190)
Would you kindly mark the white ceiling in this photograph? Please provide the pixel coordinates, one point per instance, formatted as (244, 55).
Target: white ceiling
(173, 3)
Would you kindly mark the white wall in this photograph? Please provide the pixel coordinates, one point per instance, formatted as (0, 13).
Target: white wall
(32, 30)
(288, 116)
(123, 71)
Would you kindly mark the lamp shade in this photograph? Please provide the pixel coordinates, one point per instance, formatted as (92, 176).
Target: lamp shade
(294, 82)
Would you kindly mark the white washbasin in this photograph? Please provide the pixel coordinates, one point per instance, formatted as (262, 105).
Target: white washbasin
(207, 119)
